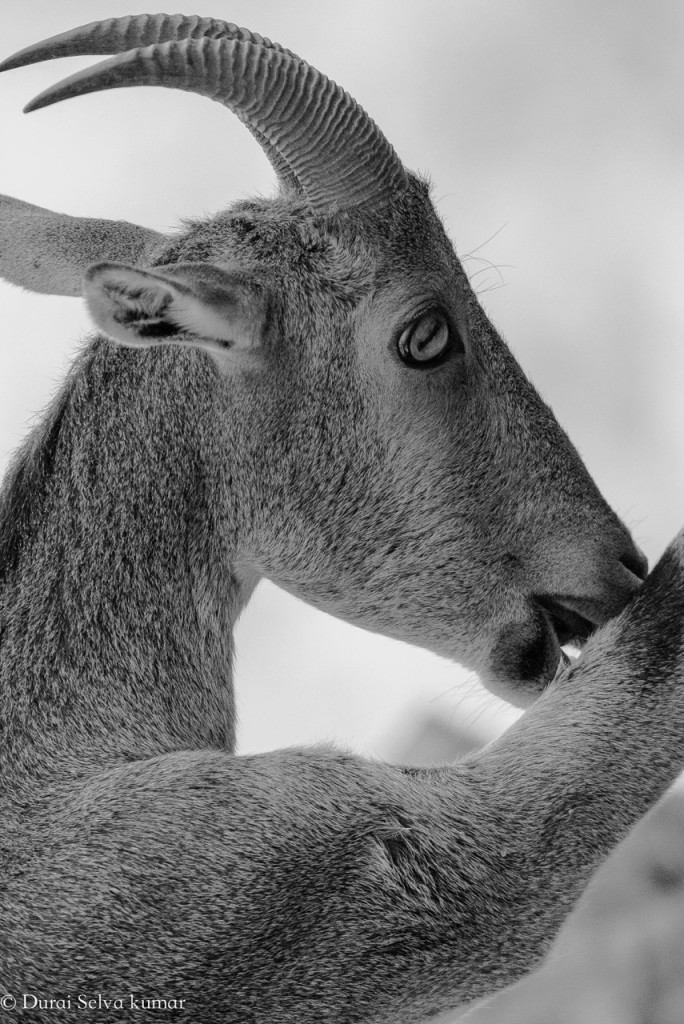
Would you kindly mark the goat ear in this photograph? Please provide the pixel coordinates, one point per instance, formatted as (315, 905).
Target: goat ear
(193, 304)
(48, 252)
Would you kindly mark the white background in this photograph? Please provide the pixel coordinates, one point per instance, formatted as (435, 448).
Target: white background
(554, 134)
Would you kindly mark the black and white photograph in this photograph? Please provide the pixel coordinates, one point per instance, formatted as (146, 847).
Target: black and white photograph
(342, 455)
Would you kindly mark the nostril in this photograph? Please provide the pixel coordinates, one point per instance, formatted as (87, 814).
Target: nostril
(636, 561)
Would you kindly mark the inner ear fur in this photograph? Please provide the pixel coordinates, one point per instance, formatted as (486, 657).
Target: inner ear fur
(194, 304)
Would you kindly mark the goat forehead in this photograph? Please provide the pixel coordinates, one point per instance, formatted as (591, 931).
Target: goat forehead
(351, 250)
(279, 249)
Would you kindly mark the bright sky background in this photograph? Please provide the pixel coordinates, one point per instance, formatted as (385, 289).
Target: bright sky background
(553, 134)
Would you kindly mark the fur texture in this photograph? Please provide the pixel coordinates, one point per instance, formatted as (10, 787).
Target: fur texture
(444, 506)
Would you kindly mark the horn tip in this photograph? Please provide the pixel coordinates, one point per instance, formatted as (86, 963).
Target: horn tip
(36, 104)
(20, 59)
(10, 63)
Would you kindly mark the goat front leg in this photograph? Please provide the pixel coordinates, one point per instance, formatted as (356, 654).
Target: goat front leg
(620, 955)
(307, 885)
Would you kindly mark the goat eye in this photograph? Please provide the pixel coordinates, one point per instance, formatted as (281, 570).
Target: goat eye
(426, 341)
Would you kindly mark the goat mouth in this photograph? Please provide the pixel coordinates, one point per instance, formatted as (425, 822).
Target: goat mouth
(527, 657)
(570, 627)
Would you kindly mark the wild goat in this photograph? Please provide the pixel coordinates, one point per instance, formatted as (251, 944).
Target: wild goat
(355, 430)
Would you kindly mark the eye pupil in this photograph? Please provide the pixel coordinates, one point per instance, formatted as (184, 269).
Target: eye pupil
(426, 341)
(428, 336)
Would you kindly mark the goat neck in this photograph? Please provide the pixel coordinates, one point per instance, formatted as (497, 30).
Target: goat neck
(116, 624)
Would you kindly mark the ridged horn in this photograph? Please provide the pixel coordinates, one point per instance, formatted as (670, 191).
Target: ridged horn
(117, 35)
(312, 131)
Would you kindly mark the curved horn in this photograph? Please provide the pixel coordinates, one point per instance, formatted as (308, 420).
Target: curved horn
(309, 127)
(117, 35)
